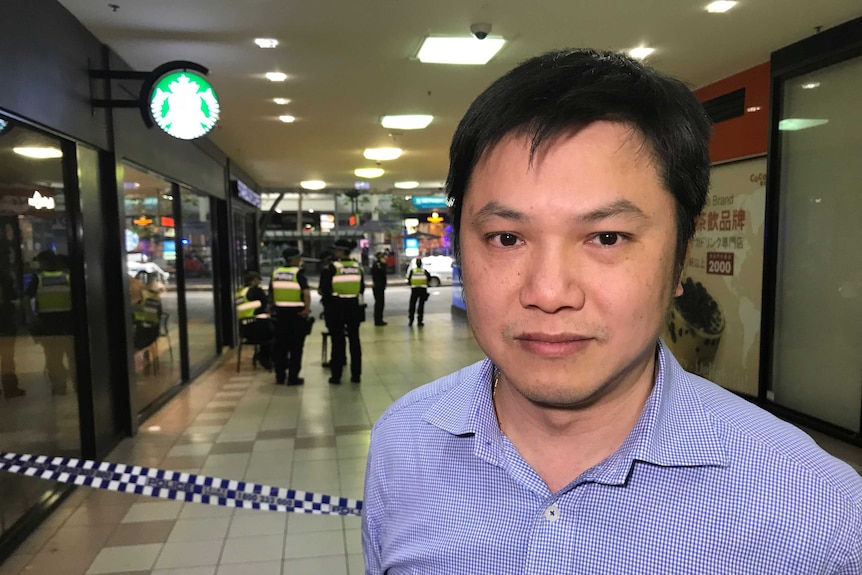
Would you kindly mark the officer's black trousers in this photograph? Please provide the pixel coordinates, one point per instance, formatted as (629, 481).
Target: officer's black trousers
(379, 299)
(342, 317)
(290, 332)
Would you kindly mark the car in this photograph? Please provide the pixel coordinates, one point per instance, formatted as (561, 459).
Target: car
(440, 268)
(135, 267)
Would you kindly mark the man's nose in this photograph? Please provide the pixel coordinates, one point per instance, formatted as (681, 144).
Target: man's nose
(553, 280)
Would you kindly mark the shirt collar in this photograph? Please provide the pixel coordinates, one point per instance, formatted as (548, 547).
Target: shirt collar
(674, 428)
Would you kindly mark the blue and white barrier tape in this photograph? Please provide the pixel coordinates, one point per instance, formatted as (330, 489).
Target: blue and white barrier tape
(175, 485)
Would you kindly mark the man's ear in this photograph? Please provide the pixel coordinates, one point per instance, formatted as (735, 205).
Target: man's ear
(678, 289)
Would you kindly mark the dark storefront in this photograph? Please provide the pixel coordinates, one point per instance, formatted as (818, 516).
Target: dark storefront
(96, 210)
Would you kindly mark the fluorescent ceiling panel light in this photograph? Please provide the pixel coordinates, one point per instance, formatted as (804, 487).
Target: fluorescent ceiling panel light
(406, 121)
(410, 185)
(287, 119)
(313, 184)
(382, 154)
(720, 6)
(468, 50)
(641, 52)
(794, 124)
(281, 101)
(38, 152)
(368, 172)
(276, 76)
(266, 42)
(810, 85)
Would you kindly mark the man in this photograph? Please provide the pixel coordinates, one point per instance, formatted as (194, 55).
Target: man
(580, 445)
(49, 304)
(8, 327)
(418, 278)
(378, 286)
(291, 301)
(252, 313)
(341, 284)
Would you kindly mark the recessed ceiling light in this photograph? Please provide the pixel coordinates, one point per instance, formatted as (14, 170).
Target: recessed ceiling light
(468, 50)
(281, 101)
(368, 172)
(287, 119)
(407, 185)
(641, 52)
(810, 85)
(312, 184)
(276, 76)
(720, 6)
(266, 42)
(382, 154)
(38, 152)
(406, 121)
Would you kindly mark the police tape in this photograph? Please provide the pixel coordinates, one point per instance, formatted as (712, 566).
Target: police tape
(176, 485)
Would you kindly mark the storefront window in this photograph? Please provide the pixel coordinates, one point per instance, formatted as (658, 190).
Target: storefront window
(150, 243)
(198, 268)
(39, 403)
(818, 327)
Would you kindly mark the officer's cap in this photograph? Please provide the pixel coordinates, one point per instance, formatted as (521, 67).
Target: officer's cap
(344, 244)
(291, 252)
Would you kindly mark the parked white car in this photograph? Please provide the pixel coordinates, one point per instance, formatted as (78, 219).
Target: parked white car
(135, 267)
(440, 268)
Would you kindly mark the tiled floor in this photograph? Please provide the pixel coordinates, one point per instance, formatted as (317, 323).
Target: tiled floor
(241, 426)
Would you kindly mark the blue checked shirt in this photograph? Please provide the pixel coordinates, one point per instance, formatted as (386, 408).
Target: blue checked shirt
(705, 483)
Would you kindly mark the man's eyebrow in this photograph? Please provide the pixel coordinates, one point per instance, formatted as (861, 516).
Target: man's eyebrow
(497, 210)
(618, 208)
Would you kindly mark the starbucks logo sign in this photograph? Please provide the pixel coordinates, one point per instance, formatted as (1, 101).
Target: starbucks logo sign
(184, 105)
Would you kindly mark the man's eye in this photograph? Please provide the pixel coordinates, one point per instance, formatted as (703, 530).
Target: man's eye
(508, 239)
(608, 238)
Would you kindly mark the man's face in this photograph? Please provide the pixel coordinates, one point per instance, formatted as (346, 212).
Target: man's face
(568, 263)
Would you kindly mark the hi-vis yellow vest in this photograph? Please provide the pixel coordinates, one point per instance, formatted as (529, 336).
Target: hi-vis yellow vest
(347, 279)
(418, 278)
(149, 308)
(245, 307)
(54, 294)
(286, 291)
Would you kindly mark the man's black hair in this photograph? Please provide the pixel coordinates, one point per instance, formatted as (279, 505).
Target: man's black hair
(567, 90)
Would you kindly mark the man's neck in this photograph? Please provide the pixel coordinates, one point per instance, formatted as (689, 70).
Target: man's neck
(560, 444)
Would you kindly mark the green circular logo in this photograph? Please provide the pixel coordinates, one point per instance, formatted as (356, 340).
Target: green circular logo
(184, 105)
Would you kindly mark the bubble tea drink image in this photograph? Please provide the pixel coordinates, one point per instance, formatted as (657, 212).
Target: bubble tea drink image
(694, 327)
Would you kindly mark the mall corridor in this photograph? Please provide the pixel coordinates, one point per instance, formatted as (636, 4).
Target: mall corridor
(239, 425)
(242, 426)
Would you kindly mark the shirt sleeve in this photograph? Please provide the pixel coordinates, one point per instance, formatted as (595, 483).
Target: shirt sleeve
(325, 285)
(302, 280)
(371, 517)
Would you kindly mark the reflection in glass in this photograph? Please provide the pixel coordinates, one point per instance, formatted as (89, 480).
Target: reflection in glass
(818, 327)
(39, 405)
(198, 269)
(150, 242)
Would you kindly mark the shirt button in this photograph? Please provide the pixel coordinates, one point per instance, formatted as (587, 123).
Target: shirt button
(552, 513)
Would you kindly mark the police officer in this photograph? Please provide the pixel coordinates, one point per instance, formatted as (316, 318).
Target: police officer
(50, 292)
(378, 286)
(291, 302)
(147, 312)
(341, 284)
(418, 279)
(252, 313)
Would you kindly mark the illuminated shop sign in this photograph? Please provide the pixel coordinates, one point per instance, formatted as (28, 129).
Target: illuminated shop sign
(246, 194)
(41, 202)
(175, 96)
(429, 202)
(184, 105)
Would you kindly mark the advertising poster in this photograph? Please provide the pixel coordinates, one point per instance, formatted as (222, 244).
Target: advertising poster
(714, 326)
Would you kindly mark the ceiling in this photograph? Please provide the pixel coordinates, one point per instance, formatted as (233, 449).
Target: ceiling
(351, 61)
